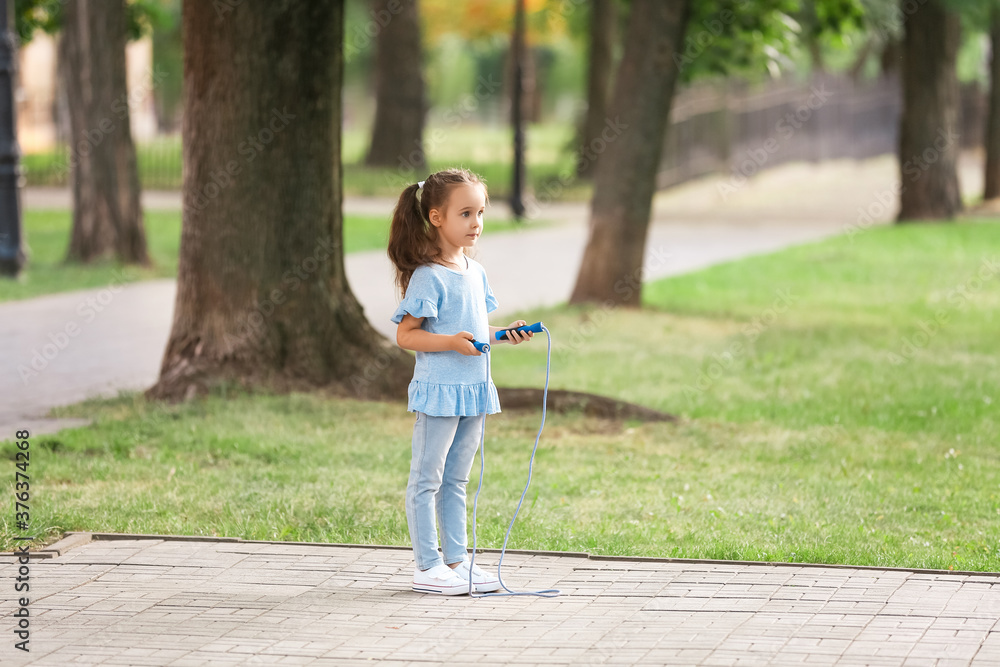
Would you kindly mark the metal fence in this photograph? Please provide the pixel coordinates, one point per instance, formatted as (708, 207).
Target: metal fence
(159, 163)
(726, 127)
(733, 128)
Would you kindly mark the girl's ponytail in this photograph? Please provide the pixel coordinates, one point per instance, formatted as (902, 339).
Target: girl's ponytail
(412, 240)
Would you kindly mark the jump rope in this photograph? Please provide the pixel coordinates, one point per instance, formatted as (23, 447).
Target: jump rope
(484, 348)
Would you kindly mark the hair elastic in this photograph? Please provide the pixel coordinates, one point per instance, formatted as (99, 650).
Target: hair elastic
(420, 184)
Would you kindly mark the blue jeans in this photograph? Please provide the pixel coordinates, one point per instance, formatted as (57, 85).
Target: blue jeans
(443, 451)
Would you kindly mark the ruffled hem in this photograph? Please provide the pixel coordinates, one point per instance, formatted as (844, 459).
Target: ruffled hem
(453, 400)
(416, 307)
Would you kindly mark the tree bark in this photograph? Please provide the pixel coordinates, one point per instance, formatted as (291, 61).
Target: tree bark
(397, 135)
(107, 217)
(991, 181)
(262, 295)
(603, 19)
(891, 58)
(12, 256)
(856, 70)
(928, 137)
(625, 180)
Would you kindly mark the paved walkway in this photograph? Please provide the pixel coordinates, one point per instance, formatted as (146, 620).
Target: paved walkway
(136, 600)
(121, 339)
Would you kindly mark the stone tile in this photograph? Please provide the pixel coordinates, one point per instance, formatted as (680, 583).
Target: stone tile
(187, 603)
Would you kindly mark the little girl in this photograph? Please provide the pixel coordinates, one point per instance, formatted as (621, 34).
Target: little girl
(446, 298)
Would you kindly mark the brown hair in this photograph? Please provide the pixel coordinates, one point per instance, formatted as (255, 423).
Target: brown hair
(413, 240)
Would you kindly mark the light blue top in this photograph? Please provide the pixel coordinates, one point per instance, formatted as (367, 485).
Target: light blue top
(449, 384)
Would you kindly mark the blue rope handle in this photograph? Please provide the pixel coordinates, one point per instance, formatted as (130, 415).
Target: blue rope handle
(548, 593)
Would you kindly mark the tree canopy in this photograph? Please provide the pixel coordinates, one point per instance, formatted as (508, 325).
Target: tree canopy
(753, 37)
(546, 20)
(47, 15)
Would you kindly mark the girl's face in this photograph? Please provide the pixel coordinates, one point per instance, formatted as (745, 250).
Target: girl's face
(460, 221)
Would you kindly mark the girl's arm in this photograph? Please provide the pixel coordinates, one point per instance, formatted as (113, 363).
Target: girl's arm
(518, 336)
(410, 336)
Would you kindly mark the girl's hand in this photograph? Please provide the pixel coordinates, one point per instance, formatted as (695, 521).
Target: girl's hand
(462, 343)
(516, 337)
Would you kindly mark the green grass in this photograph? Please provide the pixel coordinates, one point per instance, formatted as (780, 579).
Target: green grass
(47, 234)
(818, 334)
(823, 439)
(486, 150)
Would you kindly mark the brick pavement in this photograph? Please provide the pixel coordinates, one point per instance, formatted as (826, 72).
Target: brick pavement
(149, 600)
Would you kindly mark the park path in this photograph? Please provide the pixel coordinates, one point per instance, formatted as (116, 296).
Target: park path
(121, 331)
(187, 602)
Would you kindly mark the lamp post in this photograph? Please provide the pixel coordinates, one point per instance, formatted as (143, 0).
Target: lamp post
(517, 117)
(11, 254)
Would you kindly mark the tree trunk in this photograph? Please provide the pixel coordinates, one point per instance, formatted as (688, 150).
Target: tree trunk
(857, 69)
(928, 136)
(891, 58)
(12, 256)
(603, 19)
(625, 180)
(262, 295)
(991, 189)
(397, 135)
(816, 55)
(107, 217)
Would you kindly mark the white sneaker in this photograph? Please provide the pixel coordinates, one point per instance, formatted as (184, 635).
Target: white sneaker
(481, 582)
(441, 580)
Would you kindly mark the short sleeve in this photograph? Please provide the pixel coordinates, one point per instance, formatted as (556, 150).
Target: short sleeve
(423, 295)
(491, 301)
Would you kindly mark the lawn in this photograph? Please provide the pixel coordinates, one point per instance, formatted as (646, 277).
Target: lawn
(47, 234)
(838, 405)
(485, 149)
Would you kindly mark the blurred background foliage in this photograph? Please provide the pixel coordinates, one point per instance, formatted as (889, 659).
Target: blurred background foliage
(465, 62)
